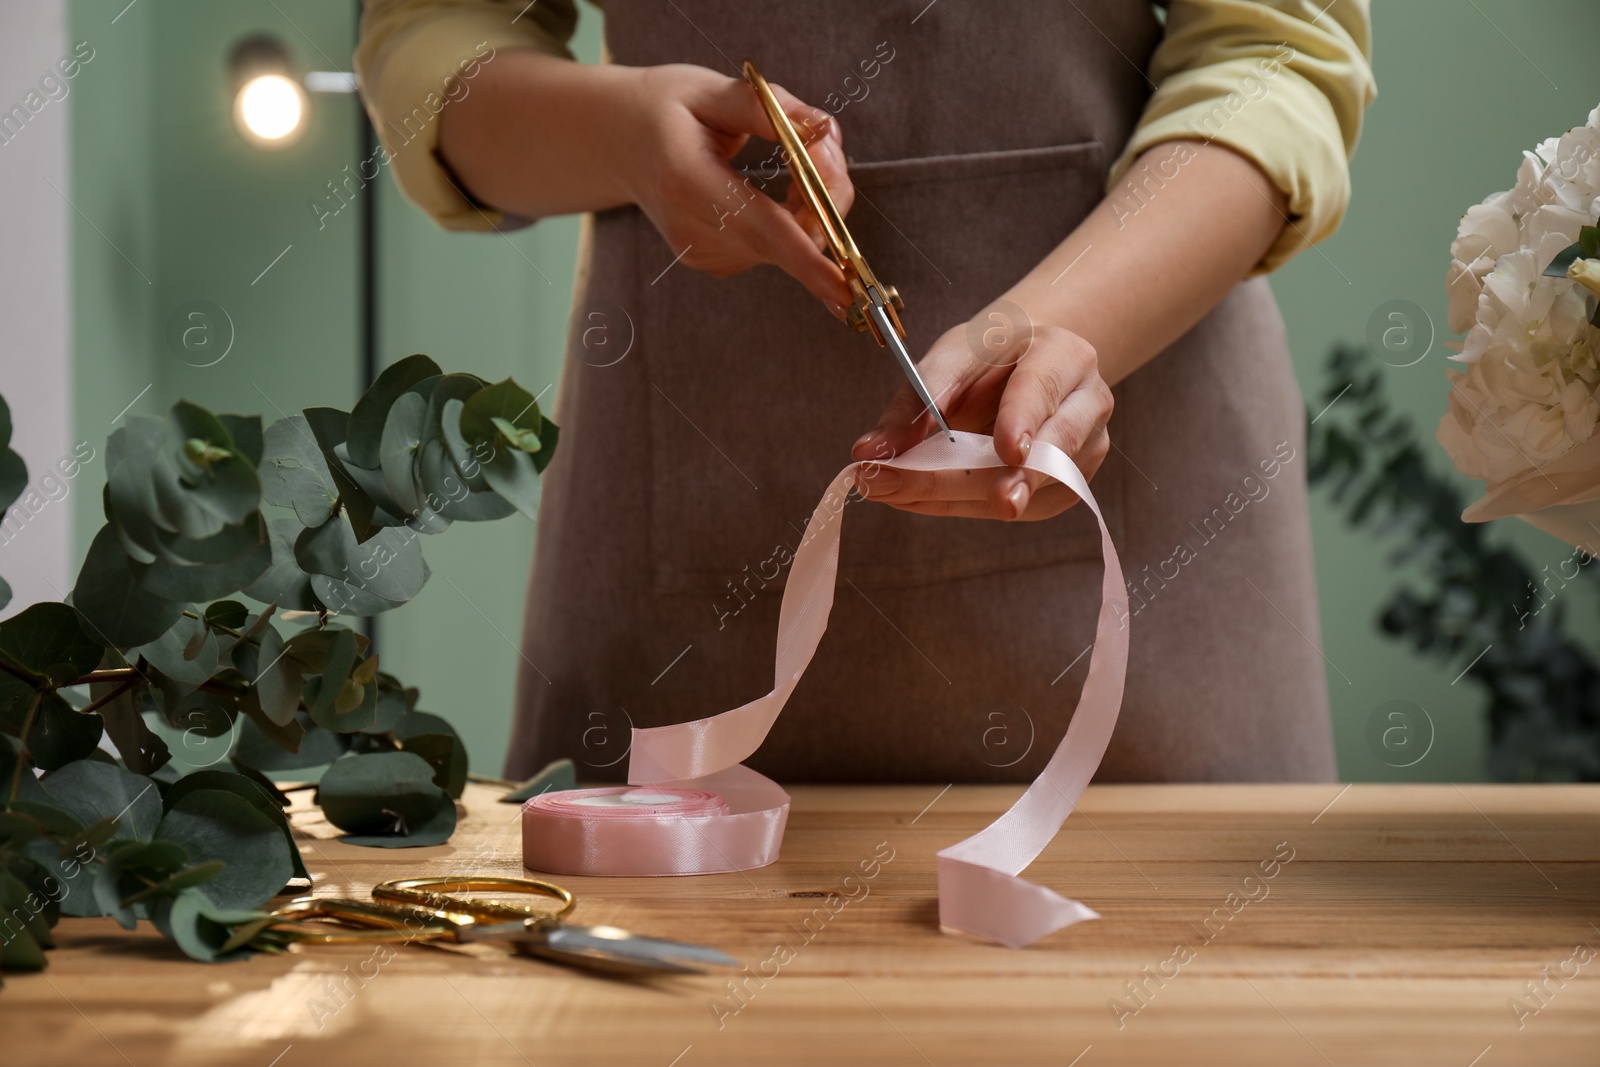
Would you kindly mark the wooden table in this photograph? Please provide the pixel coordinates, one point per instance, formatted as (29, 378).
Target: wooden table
(1408, 922)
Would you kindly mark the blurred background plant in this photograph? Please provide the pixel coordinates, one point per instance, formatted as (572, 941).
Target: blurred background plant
(1478, 602)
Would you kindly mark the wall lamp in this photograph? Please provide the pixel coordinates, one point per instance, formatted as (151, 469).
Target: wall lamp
(270, 101)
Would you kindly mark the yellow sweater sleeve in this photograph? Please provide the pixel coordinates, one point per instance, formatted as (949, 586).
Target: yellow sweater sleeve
(417, 56)
(1282, 82)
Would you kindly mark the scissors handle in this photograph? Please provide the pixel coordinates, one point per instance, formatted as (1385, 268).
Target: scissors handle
(436, 892)
(383, 922)
(804, 171)
(863, 283)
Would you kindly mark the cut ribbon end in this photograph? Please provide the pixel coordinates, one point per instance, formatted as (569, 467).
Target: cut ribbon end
(994, 906)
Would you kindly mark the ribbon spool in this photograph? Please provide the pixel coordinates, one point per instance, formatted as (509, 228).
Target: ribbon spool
(729, 821)
(980, 891)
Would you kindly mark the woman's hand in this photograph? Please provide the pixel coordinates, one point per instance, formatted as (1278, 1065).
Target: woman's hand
(693, 122)
(1038, 383)
(541, 135)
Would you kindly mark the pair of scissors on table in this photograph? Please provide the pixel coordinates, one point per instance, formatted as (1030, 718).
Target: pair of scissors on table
(877, 306)
(427, 909)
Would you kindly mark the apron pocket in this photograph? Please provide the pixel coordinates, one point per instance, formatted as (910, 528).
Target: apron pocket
(757, 394)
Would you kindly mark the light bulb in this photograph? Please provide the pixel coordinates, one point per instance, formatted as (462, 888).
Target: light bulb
(269, 108)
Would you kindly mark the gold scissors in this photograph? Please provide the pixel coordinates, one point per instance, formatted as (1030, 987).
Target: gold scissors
(427, 909)
(877, 306)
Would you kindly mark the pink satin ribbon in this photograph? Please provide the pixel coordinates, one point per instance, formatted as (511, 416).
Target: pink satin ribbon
(729, 821)
(980, 891)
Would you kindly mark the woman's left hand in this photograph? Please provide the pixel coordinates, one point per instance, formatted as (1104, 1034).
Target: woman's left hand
(1038, 383)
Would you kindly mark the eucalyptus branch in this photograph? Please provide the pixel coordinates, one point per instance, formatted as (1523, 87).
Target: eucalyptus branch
(17, 672)
(312, 522)
(21, 762)
(100, 702)
(213, 625)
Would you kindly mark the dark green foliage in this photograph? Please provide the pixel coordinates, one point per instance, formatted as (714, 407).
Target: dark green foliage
(317, 515)
(1543, 687)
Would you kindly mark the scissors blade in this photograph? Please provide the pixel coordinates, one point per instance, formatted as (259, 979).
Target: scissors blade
(880, 316)
(615, 941)
(568, 940)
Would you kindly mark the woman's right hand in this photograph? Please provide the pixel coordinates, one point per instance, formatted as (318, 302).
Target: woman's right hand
(541, 135)
(692, 121)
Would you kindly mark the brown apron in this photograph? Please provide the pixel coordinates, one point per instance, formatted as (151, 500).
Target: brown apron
(702, 418)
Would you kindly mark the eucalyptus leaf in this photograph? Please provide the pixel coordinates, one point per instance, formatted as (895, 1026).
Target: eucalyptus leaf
(452, 388)
(388, 565)
(434, 830)
(22, 950)
(249, 555)
(216, 824)
(47, 640)
(467, 458)
(515, 477)
(343, 598)
(5, 593)
(89, 791)
(294, 473)
(28, 787)
(283, 582)
(438, 484)
(448, 757)
(391, 706)
(285, 735)
(133, 875)
(387, 511)
(141, 748)
(221, 480)
(371, 413)
(115, 609)
(178, 503)
(201, 928)
(478, 507)
(168, 655)
(227, 615)
(229, 543)
(417, 723)
(130, 495)
(328, 426)
(549, 433)
(555, 777)
(277, 679)
(496, 410)
(322, 691)
(204, 717)
(253, 624)
(521, 439)
(245, 430)
(318, 746)
(13, 478)
(309, 648)
(385, 797)
(60, 735)
(15, 695)
(248, 790)
(402, 432)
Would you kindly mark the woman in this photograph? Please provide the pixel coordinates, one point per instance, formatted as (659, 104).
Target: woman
(1072, 230)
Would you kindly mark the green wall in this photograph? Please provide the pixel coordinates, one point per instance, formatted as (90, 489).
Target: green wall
(161, 178)
(1457, 105)
(158, 168)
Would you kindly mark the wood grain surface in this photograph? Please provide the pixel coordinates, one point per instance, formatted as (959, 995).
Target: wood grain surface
(1242, 925)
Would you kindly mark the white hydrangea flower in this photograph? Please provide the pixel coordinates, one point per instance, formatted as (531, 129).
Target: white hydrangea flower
(1528, 391)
